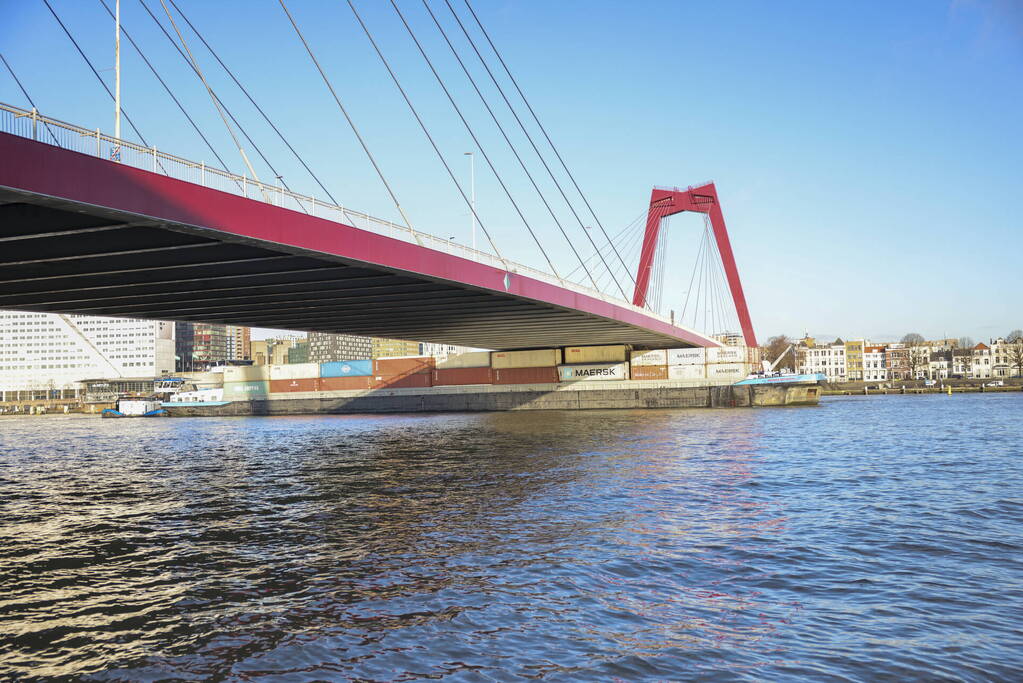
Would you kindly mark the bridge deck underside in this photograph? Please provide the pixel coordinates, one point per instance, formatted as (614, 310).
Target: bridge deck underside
(67, 257)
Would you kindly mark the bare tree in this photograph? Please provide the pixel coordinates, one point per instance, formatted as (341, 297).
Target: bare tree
(1014, 336)
(965, 342)
(915, 359)
(1016, 355)
(777, 346)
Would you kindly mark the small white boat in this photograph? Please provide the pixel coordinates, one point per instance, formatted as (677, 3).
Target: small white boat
(136, 407)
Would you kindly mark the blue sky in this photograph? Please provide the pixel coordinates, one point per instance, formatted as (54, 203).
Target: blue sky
(867, 155)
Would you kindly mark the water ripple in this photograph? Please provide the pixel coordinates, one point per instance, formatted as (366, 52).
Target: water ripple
(872, 537)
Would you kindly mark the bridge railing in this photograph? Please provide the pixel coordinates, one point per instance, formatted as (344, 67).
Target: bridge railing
(29, 123)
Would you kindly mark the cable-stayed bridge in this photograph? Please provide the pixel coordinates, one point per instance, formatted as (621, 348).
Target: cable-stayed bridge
(101, 225)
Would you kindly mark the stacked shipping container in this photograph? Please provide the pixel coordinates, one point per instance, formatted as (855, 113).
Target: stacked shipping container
(538, 366)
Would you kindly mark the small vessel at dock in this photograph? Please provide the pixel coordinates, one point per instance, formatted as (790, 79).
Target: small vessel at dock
(133, 406)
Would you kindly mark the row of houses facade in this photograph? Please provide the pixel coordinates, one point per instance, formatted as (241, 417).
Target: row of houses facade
(861, 360)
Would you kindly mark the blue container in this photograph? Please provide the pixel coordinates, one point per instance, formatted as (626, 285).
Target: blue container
(347, 368)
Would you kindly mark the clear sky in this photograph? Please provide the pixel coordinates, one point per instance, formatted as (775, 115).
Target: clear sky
(868, 155)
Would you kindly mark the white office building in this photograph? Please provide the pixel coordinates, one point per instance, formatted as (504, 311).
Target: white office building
(45, 353)
(825, 359)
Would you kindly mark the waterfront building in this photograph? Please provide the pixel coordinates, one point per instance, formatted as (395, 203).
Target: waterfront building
(1004, 358)
(274, 350)
(48, 355)
(299, 353)
(940, 364)
(239, 340)
(897, 362)
(854, 363)
(200, 346)
(828, 360)
(730, 338)
(387, 348)
(873, 361)
(981, 362)
(962, 363)
(325, 348)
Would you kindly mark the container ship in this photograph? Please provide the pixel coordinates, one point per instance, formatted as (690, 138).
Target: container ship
(568, 378)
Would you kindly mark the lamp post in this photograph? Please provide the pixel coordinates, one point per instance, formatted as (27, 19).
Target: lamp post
(472, 194)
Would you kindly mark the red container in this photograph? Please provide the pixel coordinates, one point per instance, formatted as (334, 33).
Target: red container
(649, 372)
(417, 380)
(345, 383)
(281, 386)
(389, 367)
(525, 376)
(455, 376)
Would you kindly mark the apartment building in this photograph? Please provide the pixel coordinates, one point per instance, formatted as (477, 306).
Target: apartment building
(53, 353)
(873, 364)
(324, 348)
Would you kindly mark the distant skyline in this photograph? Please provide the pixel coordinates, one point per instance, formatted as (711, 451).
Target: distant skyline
(867, 155)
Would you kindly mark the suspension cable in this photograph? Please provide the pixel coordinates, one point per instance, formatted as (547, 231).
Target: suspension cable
(213, 97)
(28, 97)
(94, 71)
(426, 132)
(544, 130)
(515, 152)
(475, 140)
(254, 104)
(525, 131)
(618, 241)
(348, 118)
(166, 87)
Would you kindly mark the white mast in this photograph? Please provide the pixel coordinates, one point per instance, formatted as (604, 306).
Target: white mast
(117, 70)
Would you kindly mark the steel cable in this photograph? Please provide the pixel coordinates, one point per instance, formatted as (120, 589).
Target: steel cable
(254, 104)
(425, 130)
(540, 125)
(497, 122)
(28, 97)
(348, 118)
(475, 140)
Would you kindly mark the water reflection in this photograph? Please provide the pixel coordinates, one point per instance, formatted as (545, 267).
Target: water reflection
(630, 544)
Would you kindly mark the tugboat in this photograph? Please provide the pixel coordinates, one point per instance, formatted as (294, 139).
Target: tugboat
(134, 406)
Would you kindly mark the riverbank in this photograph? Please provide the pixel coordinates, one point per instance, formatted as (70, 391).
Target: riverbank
(961, 387)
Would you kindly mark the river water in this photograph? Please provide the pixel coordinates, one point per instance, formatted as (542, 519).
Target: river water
(867, 538)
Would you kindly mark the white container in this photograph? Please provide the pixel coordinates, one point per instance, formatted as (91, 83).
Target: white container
(246, 373)
(686, 372)
(295, 371)
(727, 354)
(729, 371)
(687, 356)
(659, 357)
(593, 372)
(473, 359)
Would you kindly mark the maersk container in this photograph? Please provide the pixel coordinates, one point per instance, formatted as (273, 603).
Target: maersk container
(347, 368)
(593, 372)
(616, 353)
(538, 358)
(403, 365)
(729, 371)
(246, 373)
(473, 359)
(246, 391)
(650, 371)
(283, 386)
(444, 377)
(687, 356)
(295, 371)
(687, 372)
(537, 375)
(727, 354)
(659, 357)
